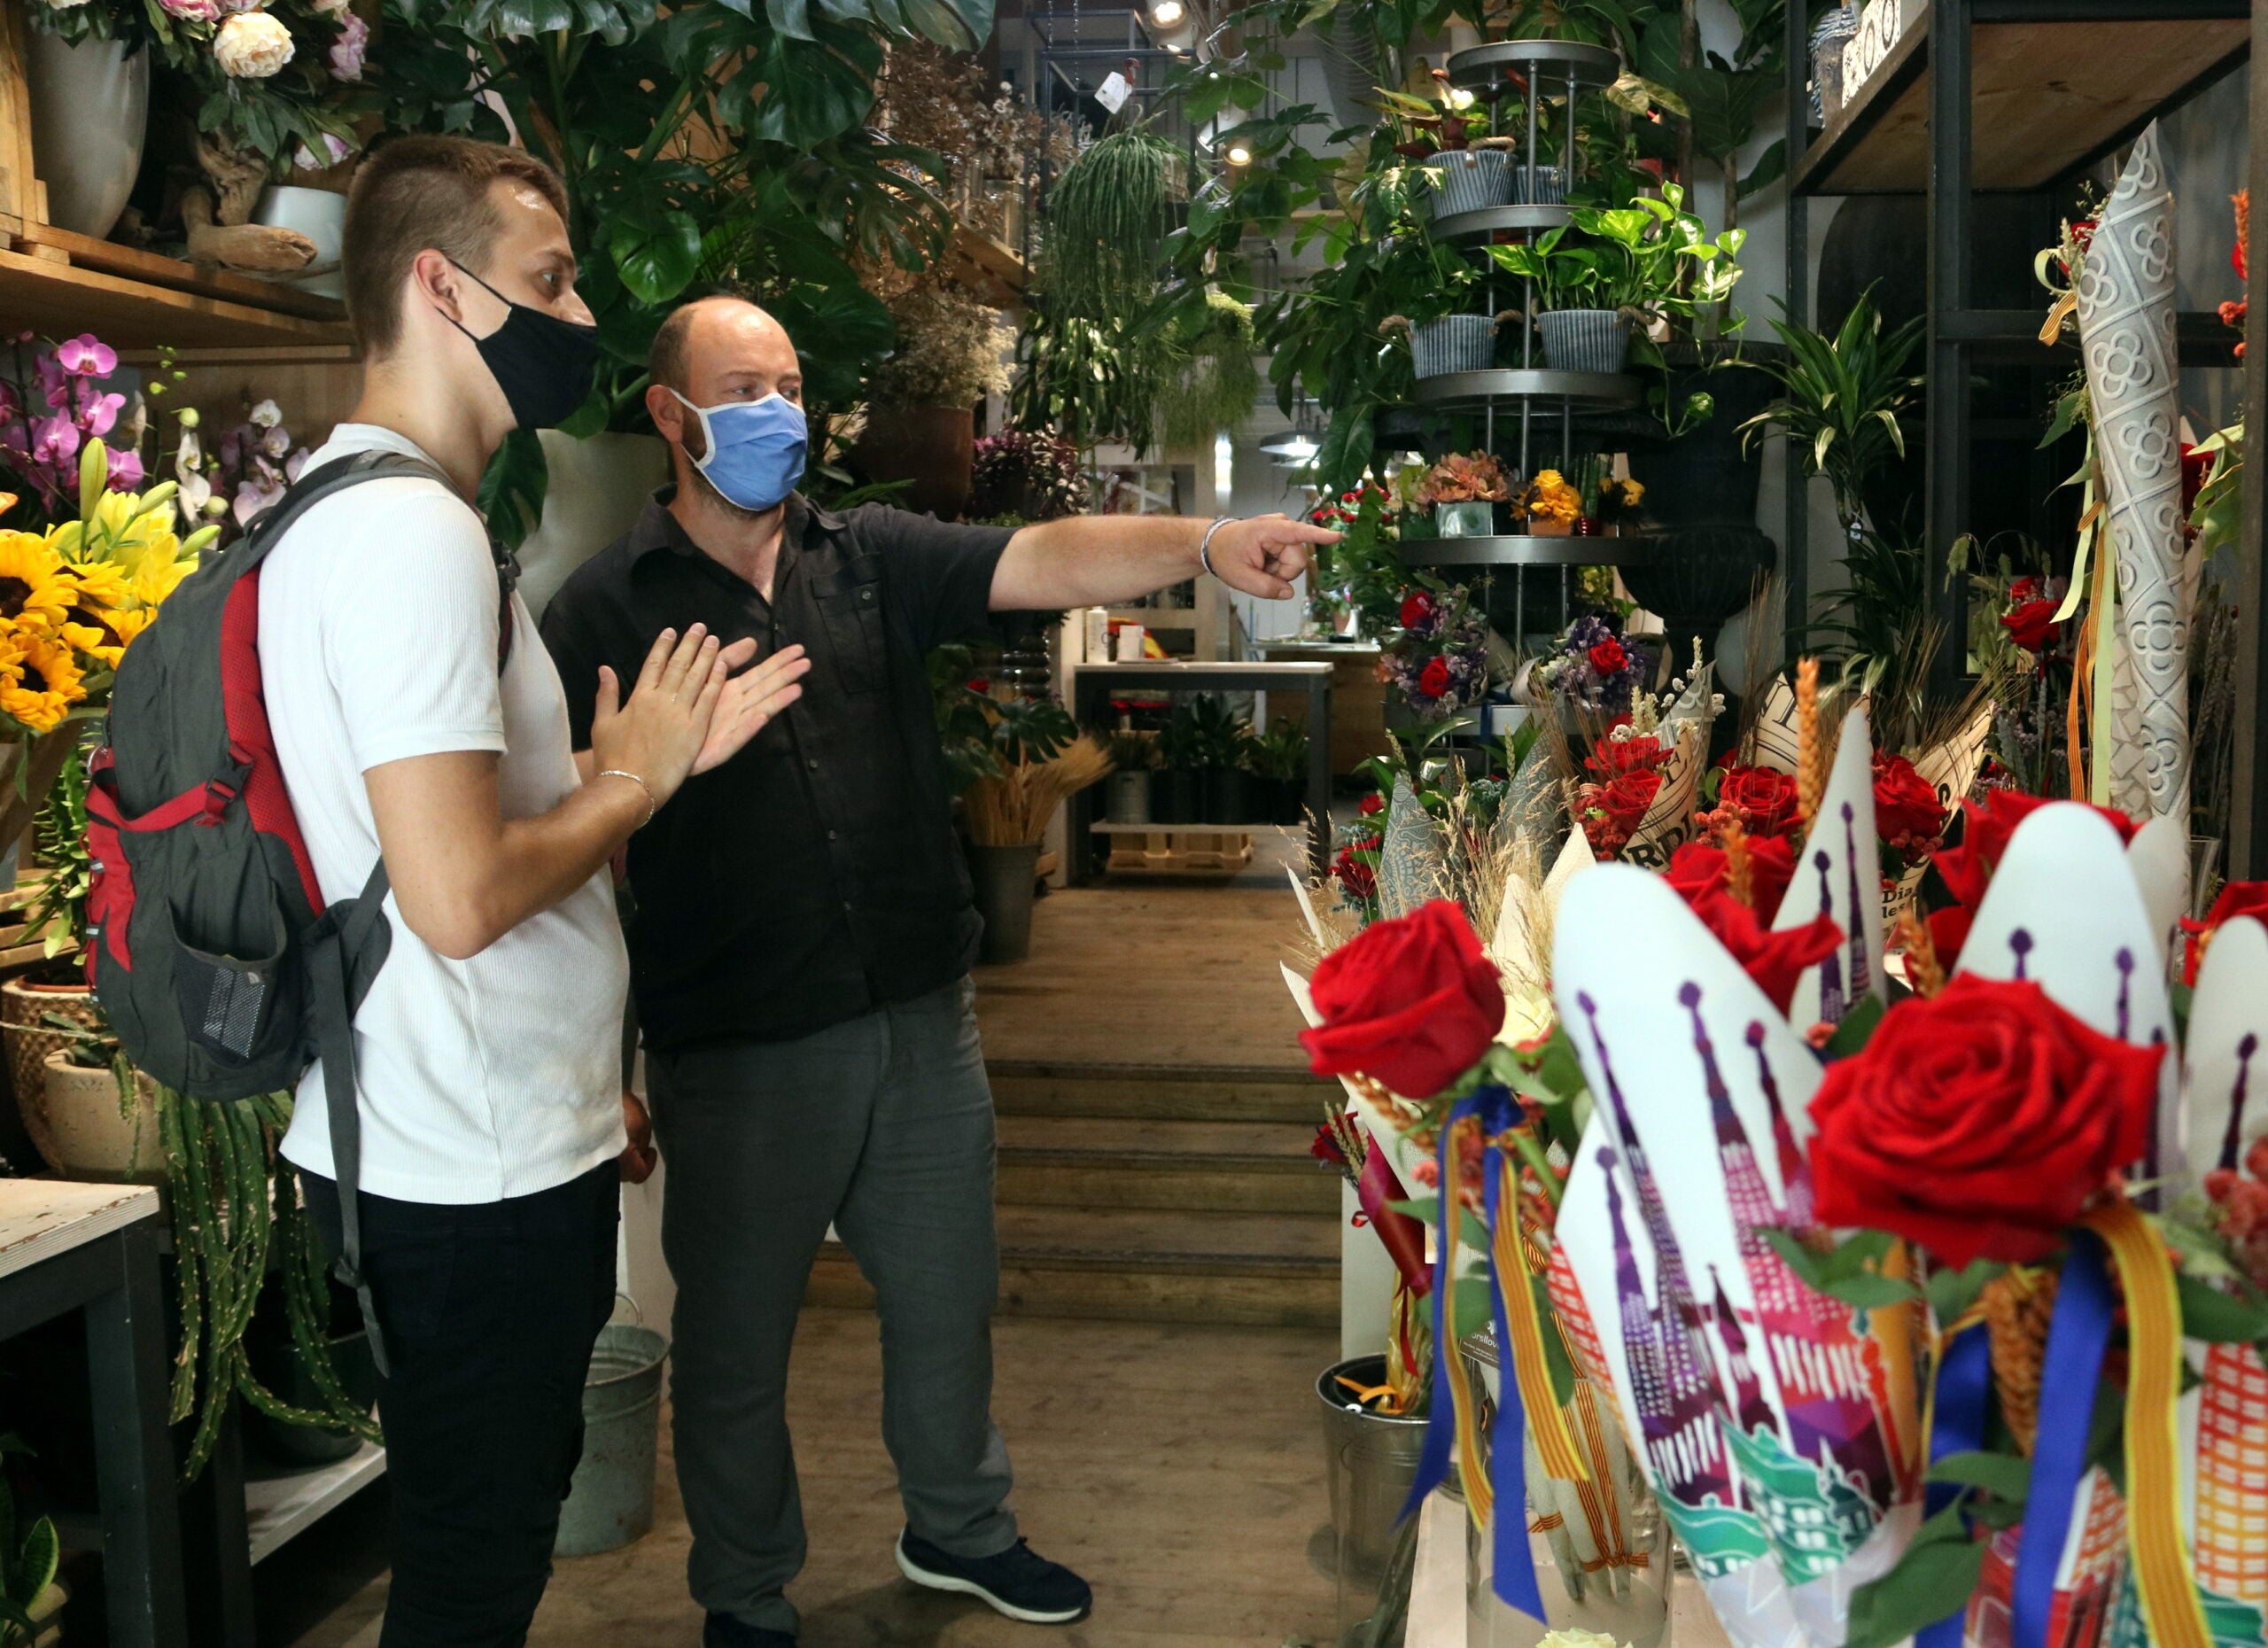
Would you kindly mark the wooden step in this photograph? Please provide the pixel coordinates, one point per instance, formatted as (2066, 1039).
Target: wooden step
(1256, 1269)
(1206, 1167)
(1165, 1093)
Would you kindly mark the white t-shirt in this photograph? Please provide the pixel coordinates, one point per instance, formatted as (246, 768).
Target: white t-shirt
(496, 1077)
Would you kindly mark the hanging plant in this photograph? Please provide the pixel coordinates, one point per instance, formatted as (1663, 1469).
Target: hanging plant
(1217, 382)
(1107, 220)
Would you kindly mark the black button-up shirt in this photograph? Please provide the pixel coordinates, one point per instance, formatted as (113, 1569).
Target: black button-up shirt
(815, 875)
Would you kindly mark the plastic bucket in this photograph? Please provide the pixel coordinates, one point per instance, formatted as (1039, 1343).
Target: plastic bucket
(1585, 340)
(1455, 342)
(612, 1501)
(1471, 180)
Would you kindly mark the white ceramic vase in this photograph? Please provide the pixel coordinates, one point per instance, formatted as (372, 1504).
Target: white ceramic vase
(90, 110)
(320, 215)
(598, 484)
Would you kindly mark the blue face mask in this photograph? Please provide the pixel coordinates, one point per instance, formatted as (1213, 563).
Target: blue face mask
(756, 448)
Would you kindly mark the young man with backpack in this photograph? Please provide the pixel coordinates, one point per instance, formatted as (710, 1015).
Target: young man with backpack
(397, 688)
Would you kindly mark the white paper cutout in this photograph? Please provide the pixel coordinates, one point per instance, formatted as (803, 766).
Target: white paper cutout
(2159, 857)
(1838, 875)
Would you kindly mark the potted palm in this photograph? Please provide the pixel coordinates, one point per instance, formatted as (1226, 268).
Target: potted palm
(1627, 267)
(1278, 761)
(1221, 737)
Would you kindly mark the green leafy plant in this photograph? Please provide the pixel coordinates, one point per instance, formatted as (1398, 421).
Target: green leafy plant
(1219, 734)
(1181, 741)
(1843, 402)
(1651, 260)
(1280, 754)
(1107, 219)
(1130, 750)
(29, 1554)
(58, 912)
(1215, 380)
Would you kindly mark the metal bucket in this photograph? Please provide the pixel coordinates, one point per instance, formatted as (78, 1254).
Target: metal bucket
(1373, 1463)
(612, 1501)
(1455, 342)
(1585, 340)
(1471, 180)
(1538, 185)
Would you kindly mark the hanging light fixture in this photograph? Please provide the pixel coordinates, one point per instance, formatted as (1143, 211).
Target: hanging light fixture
(1166, 13)
(1297, 445)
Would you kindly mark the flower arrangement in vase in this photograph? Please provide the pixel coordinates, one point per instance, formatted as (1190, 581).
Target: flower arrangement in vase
(1611, 504)
(1467, 492)
(1594, 669)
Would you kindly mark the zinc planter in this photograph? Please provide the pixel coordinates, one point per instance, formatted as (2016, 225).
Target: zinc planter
(1464, 520)
(597, 486)
(1538, 185)
(611, 1502)
(1372, 1460)
(318, 213)
(1174, 798)
(1454, 343)
(1223, 797)
(90, 110)
(1585, 340)
(1128, 797)
(1003, 878)
(84, 1131)
(1472, 180)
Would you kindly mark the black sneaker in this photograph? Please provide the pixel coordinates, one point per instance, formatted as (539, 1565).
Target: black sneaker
(1018, 1583)
(722, 1630)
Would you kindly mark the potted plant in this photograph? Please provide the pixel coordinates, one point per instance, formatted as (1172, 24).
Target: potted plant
(31, 1599)
(953, 351)
(1132, 756)
(1278, 761)
(1039, 757)
(1550, 507)
(1221, 737)
(1646, 262)
(1029, 475)
(92, 1115)
(1611, 504)
(1174, 798)
(1469, 494)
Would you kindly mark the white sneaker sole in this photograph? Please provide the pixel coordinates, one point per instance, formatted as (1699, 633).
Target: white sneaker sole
(969, 1588)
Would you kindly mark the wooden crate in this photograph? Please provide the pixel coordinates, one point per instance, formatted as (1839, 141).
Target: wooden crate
(1180, 852)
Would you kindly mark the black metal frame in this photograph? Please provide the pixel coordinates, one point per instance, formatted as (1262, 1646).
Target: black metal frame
(113, 1280)
(2248, 856)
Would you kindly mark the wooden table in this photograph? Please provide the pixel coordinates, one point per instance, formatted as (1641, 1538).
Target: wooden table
(1094, 684)
(93, 1248)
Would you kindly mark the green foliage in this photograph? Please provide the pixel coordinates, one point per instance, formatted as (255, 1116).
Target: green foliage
(1107, 219)
(58, 915)
(1850, 1271)
(1280, 754)
(1218, 735)
(723, 141)
(1842, 402)
(1652, 259)
(1088, 380)
(28, 1557)
(512, 487)
(1933, 1579)
(1215, 380)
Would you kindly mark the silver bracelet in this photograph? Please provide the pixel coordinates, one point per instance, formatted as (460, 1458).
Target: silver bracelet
(652, 806)
(1205, 544)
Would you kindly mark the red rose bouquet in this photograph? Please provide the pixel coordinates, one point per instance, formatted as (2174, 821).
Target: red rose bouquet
(1412, 1003)
(1909, 819)
(1760, 799)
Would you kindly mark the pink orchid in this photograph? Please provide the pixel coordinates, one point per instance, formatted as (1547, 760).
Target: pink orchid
(86, 356)
(126, 473)
(346, 51)
(253, 497)
(55, 440)
(54, 382)
(97, 412)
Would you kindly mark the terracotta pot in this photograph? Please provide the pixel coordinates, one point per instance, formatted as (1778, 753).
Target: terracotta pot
(84, 1132)
(24, 1008)
(932, 447)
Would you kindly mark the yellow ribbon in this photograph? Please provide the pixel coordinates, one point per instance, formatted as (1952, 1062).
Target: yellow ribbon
(1464, 1405)
(2163, 1576)
(1525, 1357)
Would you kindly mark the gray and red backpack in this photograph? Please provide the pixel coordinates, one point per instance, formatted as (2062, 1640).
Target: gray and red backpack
(209, 945)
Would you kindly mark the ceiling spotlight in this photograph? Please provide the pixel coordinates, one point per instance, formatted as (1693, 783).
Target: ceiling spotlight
(1166, 13)
(1296, 446)
(1238, 155)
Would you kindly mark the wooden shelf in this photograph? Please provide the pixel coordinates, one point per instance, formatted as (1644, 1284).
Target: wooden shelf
(2049, 94)
(992, 270)
(279, 1506)
(61, 285)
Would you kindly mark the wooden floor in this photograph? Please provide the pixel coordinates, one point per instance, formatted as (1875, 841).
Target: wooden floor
(1170, 1292)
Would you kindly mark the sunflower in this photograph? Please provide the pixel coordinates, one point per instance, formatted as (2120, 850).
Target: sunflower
(33, 592)
(41, 683)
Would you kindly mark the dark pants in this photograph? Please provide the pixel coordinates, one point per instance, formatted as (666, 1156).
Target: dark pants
(489, 1311)
(882, 1127)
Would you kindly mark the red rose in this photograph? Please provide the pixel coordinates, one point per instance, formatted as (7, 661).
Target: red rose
(1434, 680)
(1608, 657)
(1774, 960)
(1697, 869)
(2025, 589)
(1373, 803)
(1416, 607)
(1411, 1002)
(980, 686)
(1949, 931)
(2235, 898)
(1356, 877)
(1611, 756)
(1627, 797)
(1980, 1122)
(1763, 798)
(1906, 808)
(1968, 869)
(2030, 624)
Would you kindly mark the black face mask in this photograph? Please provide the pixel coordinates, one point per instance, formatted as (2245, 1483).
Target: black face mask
(543, 364)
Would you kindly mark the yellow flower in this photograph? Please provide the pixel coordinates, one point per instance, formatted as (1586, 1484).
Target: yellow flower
(96, 632)
(159, 578)
(1632, 492)
(32, 589)
(121, 532)
(41, 683)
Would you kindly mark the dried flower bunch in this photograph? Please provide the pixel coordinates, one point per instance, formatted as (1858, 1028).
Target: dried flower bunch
(953, 351)
(1034, 476)
(1466, 477)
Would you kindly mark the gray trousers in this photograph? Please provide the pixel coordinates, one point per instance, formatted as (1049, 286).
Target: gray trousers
(883, 1128)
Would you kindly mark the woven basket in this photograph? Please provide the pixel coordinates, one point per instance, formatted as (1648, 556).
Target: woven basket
(27, 1042)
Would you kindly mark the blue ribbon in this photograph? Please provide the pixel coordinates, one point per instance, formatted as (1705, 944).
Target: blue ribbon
(2077, 1335)
(1515, 1561)
(1965, 1381)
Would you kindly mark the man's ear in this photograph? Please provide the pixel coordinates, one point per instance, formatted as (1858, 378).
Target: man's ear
(674, 422)
(434, 280)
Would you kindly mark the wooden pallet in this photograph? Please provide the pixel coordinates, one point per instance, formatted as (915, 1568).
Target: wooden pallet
(1178, 852)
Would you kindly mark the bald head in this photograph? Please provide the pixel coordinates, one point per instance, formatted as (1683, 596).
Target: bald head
(715, 349)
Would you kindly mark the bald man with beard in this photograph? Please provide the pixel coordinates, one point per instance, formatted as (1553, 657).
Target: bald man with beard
(801, 951)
